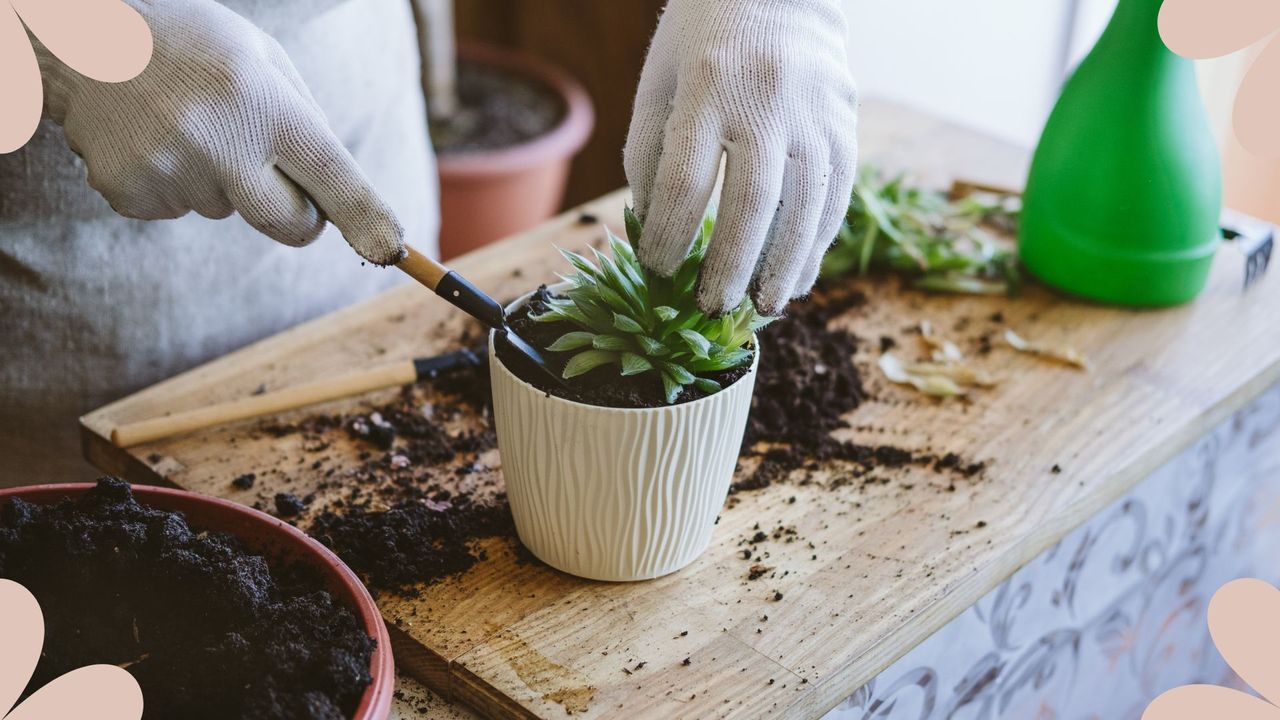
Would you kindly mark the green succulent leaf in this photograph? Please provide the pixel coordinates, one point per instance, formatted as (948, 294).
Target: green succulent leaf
(940, 243)
(652, 347)
(633, 364)
(698, 343)
(725, 361)
(678, 373)
(625, 254)
(666, 313)
(706, 385)
(586, 361)
(670, 388)
(572, 341)
(610, 342)
(634, 228)
(581, 264)
(650, 326)
(626, 324)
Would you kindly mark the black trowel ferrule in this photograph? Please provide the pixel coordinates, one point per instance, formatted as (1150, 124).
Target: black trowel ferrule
(467, 297)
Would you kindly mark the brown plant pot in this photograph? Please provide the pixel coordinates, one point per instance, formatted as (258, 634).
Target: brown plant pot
(486, 195)
(270, 537)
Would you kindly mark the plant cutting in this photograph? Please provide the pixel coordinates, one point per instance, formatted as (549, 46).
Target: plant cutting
(942, 244)
(620, 474)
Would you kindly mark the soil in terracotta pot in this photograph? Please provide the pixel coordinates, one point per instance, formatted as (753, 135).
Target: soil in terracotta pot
(209, 629)
(603, 386)
(497, 109)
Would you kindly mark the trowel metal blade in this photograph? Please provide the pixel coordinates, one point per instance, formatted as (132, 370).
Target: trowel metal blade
(519, 345)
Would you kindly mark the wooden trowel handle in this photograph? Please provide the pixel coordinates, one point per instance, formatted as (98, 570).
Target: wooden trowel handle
(422, 268)
(356, 383)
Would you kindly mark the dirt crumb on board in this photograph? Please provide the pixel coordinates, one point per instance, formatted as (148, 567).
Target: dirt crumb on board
(807, 384)
(414, 507)
(425, 489)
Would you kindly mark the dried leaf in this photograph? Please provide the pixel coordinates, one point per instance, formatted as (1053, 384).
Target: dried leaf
(935, 385)
(1064, 355)
(944, 350)
(961, 373)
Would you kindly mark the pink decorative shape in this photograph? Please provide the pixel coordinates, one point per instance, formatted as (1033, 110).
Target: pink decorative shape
(22, 628)
(1244, 620)
(1205, 702)
(1200, 29)
(1210, 28)
(20, 93)
(97, 691)
(105, 40)
(102, 692)
(1256, 118)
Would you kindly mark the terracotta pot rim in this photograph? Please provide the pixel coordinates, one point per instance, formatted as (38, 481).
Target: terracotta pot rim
(375, 703)
(564, 140)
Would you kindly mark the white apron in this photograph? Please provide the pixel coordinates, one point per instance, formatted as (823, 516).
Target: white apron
(94, 306)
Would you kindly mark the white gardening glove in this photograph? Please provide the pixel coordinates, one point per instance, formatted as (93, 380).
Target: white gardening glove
(220, 121)
(766, 82)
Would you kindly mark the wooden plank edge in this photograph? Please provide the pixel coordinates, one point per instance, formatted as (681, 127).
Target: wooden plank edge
(418, 661)
(471, 690)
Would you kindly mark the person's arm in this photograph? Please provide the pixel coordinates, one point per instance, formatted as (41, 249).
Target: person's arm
(766, 83)
(219, 122)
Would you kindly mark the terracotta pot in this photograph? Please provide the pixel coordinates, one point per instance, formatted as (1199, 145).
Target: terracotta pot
(271, 537)
(486, 195)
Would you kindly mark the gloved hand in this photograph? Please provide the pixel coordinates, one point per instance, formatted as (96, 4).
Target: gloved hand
(220, 121)
(767, 83)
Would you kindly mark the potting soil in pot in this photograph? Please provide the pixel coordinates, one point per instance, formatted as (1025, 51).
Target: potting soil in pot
(497, 109)
(603, 386)
(208, 628)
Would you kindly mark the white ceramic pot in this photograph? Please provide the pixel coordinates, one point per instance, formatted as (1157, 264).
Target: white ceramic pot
(616, 493)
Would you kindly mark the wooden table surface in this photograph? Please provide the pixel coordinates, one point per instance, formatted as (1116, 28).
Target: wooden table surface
(876, 567)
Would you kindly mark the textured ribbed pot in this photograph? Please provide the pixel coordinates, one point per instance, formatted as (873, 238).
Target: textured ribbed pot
(616, 493)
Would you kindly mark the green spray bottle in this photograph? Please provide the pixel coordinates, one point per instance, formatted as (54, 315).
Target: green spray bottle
(1125, 191)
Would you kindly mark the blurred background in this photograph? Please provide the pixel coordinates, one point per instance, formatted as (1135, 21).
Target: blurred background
(993, 65)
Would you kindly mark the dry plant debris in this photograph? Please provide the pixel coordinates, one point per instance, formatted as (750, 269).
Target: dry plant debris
(1059, 354)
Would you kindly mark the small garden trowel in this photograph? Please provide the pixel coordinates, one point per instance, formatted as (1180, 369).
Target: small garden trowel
(467, 297)
(446, 283)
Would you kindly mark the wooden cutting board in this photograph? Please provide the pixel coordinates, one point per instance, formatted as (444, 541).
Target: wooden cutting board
(871, 568)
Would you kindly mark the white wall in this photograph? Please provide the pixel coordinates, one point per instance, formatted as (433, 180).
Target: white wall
(995, 65)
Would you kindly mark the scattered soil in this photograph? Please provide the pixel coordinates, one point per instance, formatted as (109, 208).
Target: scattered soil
(209, 629)
(603, 386)
(402, 519)
(807, 379)
(806, 384)
(414, 542)
(421, 505)
(497, 109)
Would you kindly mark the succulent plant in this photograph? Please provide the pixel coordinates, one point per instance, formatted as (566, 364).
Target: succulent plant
(644, 323)
(940, 242)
